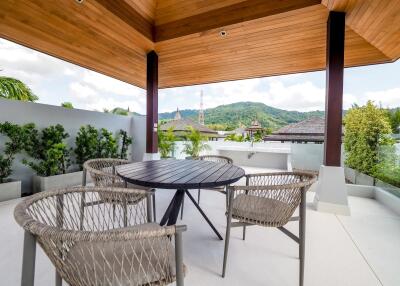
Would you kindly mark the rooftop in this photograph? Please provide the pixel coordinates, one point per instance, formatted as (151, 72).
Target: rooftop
(309, 130)
(181, 124)
(361, 249)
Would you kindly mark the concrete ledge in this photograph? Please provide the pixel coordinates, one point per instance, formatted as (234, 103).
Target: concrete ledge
(360, 191)
(388, 199)
(332, 208)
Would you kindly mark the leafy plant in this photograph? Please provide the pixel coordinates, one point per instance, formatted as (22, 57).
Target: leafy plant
(367, 128)
(235, 138)
(107, 145)
(67, 105)
(49, 151)
(126, 141)
(92, 143)
(12, 88)
(195, 143)
(166, 142)
(86, 144)
(17, 135)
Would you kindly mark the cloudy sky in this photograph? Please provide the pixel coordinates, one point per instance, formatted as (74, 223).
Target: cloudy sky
(56, 81)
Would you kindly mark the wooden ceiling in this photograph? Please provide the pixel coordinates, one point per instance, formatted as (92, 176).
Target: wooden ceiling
(263, 38)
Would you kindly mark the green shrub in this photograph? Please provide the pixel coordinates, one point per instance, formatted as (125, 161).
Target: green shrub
(17, 136)
(92, 143)
(49, 151)
(86, 143)
(166, 142)
(367, 129)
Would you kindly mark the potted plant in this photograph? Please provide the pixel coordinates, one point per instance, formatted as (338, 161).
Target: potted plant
(51, 159)
(166, 142)
(17, 135)
(195, 143)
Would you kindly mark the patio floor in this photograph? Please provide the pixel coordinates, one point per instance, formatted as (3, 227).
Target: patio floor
(362, 249)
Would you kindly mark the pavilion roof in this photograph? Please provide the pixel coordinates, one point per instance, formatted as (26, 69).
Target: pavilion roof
(181, 125)
(201, 41)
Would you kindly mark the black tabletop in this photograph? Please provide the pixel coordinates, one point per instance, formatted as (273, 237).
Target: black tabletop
(180, 174)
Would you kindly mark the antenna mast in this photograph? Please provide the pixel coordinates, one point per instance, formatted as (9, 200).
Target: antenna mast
(201, 111)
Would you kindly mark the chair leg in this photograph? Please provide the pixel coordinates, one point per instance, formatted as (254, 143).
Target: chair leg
(28, 260)
(183, 202)
(154, 207)
(227, 236)
(302, 236)
(58, 279)
(198, 196)
(244, 232)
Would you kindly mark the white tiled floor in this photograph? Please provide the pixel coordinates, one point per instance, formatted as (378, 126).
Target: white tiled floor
(362, 249)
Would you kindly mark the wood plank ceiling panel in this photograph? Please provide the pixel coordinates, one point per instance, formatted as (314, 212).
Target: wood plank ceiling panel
(378, 22)
(286, 43)
(233, 14)
(113, 37)
(85, 34)
(146, 8)
(172, 10)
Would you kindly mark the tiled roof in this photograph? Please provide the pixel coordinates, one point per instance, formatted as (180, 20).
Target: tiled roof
(180, 125)
(313, 125)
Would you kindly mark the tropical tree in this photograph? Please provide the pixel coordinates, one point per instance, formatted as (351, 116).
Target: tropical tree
(12, 88)
(67, 105)
(234, 137)
(367, 129)
(395, 120)
(195, 142)
(166, 142)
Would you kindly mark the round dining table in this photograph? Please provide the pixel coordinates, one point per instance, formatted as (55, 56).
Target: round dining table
(180, 175)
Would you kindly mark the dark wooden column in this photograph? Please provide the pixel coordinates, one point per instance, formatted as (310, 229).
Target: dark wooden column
(152, 103)
(334, 88)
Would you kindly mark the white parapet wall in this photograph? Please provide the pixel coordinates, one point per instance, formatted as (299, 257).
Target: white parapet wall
(43, 115)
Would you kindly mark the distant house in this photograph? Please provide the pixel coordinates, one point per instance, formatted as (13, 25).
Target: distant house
(181, 125)
(310, 130)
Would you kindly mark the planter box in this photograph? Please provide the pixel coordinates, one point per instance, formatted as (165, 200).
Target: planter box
(10, 190)
(41, 184)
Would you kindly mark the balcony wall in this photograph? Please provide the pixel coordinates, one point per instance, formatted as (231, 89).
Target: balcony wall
(72, 119)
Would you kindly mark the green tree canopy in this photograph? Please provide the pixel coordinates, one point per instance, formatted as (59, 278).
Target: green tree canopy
(12, 88)
(67, 105)
(367, 128)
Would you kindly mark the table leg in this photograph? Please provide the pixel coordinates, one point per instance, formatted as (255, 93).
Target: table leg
(203, 214)
(168, 211)
(171, 214)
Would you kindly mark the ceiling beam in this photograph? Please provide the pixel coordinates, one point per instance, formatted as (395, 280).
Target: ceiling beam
(129, 15)
(233, 14)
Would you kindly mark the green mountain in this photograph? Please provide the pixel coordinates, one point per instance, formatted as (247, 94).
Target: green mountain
(231, 115)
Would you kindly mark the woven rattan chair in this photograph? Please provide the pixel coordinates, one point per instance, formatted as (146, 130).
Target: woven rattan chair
(107, 250)
(217, 159)
(102, 171)
(270, 200)
(222, 189)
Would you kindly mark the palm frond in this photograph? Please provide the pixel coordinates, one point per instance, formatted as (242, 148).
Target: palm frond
(12, 88)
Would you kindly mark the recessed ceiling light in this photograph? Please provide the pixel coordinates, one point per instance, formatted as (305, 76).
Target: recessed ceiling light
(223, 33)
(79, 1)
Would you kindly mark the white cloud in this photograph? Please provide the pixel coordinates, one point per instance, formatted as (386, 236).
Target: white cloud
(108, 84)
(83, 92)
(386, 98)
